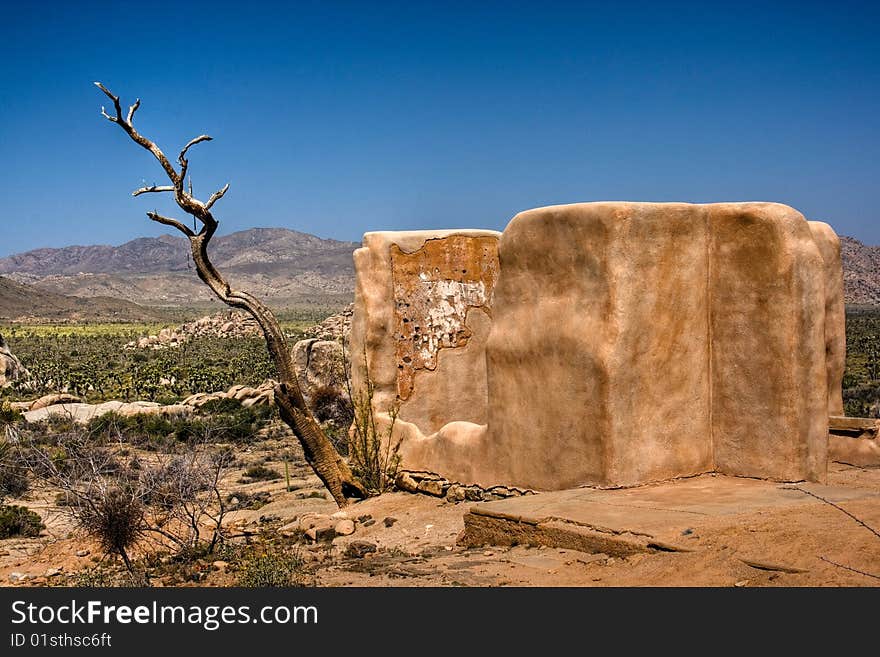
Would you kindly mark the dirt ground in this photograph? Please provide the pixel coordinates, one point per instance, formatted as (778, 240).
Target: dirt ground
(417, 546)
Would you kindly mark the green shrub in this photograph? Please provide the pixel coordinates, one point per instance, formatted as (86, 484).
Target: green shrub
(271, 569)
(261, 473)
(331, 405)
(374, 454)
(19, 521)
(14, 480)
(226, 420)
(9, 415)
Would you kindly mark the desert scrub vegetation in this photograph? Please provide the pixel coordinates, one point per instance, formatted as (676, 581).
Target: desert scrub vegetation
(861, 379)
(96, 367)
(273, 566)
(225, 420)
(171, 500)
(374, 453)
(19, 521)
(15, 521)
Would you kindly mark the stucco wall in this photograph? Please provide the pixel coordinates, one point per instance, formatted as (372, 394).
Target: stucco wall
(607, 344)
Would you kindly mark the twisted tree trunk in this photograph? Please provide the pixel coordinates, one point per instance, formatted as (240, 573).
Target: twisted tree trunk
(319, 451)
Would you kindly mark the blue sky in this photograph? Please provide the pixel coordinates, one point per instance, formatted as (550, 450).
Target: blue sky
(335, 118)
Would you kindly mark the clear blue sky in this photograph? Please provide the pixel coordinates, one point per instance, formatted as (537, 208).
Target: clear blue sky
(335, 118)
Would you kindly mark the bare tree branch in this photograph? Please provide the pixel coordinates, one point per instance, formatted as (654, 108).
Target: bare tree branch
(115, 99)
(319, 451)
(192, 142)
(132, 110)
(184, 163)
(168, 221)
(216, 196)
(136, 136)
(153, 188)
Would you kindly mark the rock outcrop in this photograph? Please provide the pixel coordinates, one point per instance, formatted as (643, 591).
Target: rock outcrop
(607, 344)
(336, 327)
(227, 324)
(320, 367)
(11, 369)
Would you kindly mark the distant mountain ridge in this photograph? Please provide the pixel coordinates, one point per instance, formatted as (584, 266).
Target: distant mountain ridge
(276, 264)
(167, 253)
(22, 302)
(861, 272)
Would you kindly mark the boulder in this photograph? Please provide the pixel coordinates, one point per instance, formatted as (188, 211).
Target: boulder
(52, 400)
(344, 527)
(11, 369)
(83, 413)
(319, 365)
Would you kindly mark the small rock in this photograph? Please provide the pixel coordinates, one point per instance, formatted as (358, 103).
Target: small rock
(83, 553)
(405, 482)
(431, 487)
(307, 521)
(290, 529)
(323, 532)
(17, 577)
(389, 521)
(344, 527)
(687, 532)
(455, 493)
(741, 583)
(359, 549)
(54, 572)
(219, 565)
(368, 523)
(364, 518)
(473, 494)
(339, 515)
(488, 553)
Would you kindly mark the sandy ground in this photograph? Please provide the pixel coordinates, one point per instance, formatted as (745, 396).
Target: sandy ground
(419, 547)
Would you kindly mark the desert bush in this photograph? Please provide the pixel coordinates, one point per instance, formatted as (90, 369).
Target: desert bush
(19, 521)
(330, 404)
(174, 498)
(261, 473)
(226, 420)
(271, 568)
(374, 455)
(9, 415)
(14, 481)
(115, 516)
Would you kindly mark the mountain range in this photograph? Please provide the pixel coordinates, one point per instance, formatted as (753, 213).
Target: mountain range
(281, 266)
(861, 272)
(138, 279)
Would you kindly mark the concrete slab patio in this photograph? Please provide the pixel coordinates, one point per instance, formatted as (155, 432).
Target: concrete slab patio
(643, 519)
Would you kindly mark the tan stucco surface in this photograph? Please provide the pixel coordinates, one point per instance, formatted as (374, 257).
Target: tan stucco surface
(607, 344)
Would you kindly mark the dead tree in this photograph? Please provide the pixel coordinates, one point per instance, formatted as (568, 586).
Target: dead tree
(319, 451)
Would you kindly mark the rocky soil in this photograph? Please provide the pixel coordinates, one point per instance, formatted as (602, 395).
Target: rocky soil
(402, 539)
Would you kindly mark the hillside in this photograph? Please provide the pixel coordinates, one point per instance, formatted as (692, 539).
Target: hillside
(18, 301)
(276, 264)
(284, 267)
(861, 272)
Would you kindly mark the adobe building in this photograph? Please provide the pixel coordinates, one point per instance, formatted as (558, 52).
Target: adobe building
(606, 344)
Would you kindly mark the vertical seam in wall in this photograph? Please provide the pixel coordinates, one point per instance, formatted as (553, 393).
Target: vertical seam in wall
(709, 338)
